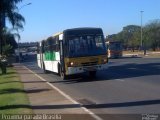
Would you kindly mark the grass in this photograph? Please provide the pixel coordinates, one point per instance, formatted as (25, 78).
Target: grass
(131, 52)
(150, 54)
(13, 99)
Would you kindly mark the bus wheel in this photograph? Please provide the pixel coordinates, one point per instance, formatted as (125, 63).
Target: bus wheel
(44, 69)
(62, 74)
(92, 74)
(59, 69)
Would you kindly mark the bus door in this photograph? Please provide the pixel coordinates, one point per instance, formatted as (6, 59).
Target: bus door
(62, 65)
(41, 54)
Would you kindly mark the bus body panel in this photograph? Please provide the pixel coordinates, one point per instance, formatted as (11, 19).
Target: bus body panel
(84, 64)
(77, 70)
(51, 66)
(114, 49)
(114, 53)
(39, 60)
(51, 60)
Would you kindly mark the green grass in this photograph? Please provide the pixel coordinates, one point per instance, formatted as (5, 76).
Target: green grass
(150, 54)
(13, 99)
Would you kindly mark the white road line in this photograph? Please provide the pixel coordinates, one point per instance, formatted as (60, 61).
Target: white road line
(66, 96)
(120, 80)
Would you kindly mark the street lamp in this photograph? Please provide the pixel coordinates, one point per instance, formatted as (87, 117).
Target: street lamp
(141, 29)
(142, 42)
(143, 46)
(24, 6)
(19, 56)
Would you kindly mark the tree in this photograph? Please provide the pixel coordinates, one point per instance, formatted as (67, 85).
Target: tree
(152, 34)
(9, 43)
(7, 49)
(9, 9)
(129, 36)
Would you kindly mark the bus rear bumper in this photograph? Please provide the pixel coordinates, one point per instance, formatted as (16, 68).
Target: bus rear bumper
(82, 69)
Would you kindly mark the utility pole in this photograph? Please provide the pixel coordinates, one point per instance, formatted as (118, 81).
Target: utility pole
(2, 26)
(24, 6)
(143, 46)
(19, 56)
(141, 30)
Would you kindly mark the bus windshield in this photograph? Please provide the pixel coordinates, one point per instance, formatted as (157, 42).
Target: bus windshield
(115, 46)
(86, 45)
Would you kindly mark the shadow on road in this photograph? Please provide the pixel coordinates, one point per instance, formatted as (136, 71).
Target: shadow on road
(123, 104)
(9, 82)
(117, 72)
(114, 72)
(12, 91)
(89, 106)
(130, 71)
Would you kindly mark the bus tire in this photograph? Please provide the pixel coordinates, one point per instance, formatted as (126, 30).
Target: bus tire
(62, 74)
(59, 67)
(44, 69)
(92, 74)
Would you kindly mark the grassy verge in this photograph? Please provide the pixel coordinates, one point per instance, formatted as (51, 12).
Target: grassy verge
(130, 52)
(152, 54)
(13, 99)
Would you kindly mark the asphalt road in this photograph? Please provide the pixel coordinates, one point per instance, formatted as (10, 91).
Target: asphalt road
(129, 86)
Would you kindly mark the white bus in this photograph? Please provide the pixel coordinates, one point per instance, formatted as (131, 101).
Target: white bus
(73, 51)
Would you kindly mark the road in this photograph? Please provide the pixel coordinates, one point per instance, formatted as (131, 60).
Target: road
(129, 86)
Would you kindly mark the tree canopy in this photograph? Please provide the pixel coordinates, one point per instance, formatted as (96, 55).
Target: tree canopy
(152, 34)
(130, 36)
(9, 11)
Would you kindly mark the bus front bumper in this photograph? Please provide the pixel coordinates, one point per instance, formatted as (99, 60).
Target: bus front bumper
(82, 69)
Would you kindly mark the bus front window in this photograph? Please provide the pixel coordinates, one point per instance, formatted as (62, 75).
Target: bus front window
(115, 46)
(87, 45)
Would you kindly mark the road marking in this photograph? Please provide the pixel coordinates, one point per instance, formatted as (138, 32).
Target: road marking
(66, 96)
(120, 80)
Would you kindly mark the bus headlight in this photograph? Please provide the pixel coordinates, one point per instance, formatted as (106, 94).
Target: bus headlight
(104, 60)
(72, 64)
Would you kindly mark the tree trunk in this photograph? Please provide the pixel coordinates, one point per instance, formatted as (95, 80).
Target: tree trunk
(2, 25)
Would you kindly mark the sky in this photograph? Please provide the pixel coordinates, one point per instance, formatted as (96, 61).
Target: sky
(47, 17)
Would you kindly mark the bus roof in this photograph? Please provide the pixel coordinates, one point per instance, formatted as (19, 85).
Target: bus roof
(88, 30)
(83, 30)
(77, 29)
(57, 34)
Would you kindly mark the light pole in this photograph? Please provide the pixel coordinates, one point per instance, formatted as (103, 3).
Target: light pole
(143, 45)
(24, 6)
(141, 29)
(19, 56)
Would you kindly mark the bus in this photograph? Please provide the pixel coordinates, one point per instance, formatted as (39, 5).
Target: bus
(114, 49)
(73, 51)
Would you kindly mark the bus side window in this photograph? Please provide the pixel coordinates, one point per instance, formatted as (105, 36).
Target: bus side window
(38, 48)
(57, 44)
(45, 47)
(98, 40)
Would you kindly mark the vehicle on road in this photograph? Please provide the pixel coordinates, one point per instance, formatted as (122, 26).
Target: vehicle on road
(73, 51)
(114, 49)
